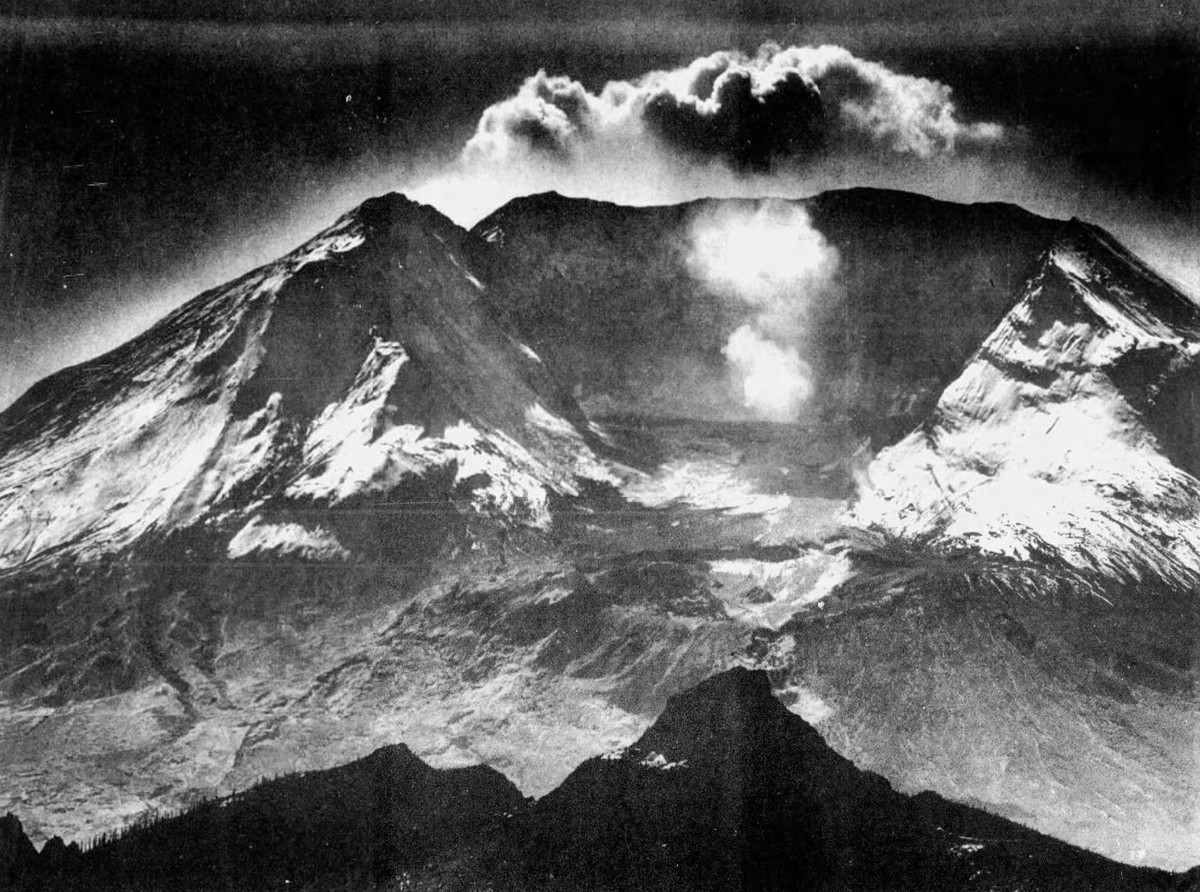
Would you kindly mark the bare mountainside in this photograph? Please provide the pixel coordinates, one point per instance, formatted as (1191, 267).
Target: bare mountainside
(499, 494)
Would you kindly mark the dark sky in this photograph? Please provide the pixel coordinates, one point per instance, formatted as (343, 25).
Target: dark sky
(928, 11)
(143, 161)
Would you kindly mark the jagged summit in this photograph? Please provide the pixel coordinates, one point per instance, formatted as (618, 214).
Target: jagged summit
(1144, 285)
(361, 360)
(1100, 268)
(385, 211)
(1071, 417)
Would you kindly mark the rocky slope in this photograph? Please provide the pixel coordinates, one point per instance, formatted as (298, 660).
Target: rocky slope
(199, 526)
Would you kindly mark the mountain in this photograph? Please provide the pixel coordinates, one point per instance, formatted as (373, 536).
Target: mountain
(500, 494)
(361, 364)
(730, 790)
(358, 825)
(251, 485)
(727, 790)
(1074, 415)
(1034, 545)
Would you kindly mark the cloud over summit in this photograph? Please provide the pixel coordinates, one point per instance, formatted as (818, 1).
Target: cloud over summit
(781, 107)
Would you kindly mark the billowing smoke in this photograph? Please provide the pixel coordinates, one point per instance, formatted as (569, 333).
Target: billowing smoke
(774, 267)
(727, 124)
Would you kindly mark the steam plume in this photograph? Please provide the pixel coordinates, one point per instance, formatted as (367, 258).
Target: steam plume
(768, 260)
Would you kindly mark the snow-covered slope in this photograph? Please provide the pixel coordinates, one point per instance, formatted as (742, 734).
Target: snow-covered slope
(1064, 437)
(361, 362)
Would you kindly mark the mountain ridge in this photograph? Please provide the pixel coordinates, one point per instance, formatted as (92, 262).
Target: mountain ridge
(903, 265)
(237, 396)
(1093, 342)
(726, 771)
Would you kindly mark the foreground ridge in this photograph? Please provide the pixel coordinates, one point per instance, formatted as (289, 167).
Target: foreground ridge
(727, 790)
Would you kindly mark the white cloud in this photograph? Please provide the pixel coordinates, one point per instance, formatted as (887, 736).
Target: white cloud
(726, 124)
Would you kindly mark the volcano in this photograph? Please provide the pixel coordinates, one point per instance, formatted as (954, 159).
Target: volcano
(309, 381)
(493, 493)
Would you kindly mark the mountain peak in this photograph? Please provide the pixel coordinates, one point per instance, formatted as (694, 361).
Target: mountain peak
(1118, 286)
(17, 853)
(750, 689)
(731, 716)
(363, 361)
(729, 790)
(392, 752)
(383, 214)
(1097, 359)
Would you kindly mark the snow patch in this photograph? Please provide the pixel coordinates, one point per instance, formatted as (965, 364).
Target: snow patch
(308, 543)
(354, 448)
(539, 416)
(161, 448)
(661, 762)
(704, 484)
(807, 704)
(769, 593)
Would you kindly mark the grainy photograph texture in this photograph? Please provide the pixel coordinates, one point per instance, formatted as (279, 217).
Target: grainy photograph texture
(667, 445)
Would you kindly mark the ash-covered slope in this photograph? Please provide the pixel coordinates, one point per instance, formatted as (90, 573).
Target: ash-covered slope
(612, 294)
(361, 363)
(727, 790)
(1070, 435)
